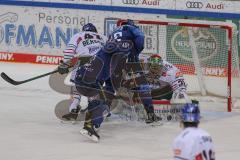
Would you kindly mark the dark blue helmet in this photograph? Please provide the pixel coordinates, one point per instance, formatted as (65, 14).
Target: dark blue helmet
(128, 22)
(190, 113)
(89, 27)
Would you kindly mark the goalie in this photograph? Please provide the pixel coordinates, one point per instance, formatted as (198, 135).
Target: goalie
(166, 80)
(163, 81)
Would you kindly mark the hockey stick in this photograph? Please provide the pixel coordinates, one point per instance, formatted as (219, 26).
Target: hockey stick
(13, 82)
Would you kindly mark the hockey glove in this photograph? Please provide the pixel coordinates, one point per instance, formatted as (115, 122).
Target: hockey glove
(63, 68)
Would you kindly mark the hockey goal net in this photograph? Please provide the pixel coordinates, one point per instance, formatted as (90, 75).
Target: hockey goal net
(205, 51)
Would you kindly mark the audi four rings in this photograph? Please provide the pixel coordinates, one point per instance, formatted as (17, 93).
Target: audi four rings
(132, 2)
(197, 5)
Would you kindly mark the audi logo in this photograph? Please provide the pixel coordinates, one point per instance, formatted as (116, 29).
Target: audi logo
(197, 5)
(131, 2)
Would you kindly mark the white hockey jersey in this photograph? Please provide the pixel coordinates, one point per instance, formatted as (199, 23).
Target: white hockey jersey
(83, 44)
(193, 144)
(173, 76)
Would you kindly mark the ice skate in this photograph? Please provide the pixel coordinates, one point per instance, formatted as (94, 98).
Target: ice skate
(72, 116)
(89, 132)
(153, 119)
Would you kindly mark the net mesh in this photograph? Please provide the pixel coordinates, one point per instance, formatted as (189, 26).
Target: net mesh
(171, 41)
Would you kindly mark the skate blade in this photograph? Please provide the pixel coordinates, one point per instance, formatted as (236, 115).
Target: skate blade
(85, 134)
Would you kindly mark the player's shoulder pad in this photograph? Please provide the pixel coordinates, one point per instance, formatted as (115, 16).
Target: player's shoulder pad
(135, 30)
(203, 132)
(74, 40)
(77, 35)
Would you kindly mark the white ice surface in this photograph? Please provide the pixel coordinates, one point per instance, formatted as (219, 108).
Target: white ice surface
(29, 129)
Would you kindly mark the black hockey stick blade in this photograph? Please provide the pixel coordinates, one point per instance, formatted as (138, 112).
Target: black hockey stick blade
(13, 82)
(9, 80)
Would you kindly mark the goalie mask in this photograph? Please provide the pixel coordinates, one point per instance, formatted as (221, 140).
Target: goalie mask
(155, 64)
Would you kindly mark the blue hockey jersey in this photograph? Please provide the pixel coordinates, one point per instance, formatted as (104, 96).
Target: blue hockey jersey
(127, 40)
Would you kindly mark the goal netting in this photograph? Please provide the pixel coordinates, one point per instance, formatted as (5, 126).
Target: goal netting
(205, 51)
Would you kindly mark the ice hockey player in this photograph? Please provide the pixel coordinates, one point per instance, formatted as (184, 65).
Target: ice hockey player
(161, 71)
(83, 45)
(125, 42)
(192, 143)
(164, 81)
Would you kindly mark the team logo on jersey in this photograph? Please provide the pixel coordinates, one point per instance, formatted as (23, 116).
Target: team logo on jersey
(205, 43)
(125, 45)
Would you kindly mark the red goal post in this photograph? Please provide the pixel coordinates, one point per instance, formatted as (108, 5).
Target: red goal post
(193, 24)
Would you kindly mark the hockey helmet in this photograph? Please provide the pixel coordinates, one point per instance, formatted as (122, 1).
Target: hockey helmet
(155, 61)
(190, 112)
(89, 27)
(128, 22)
